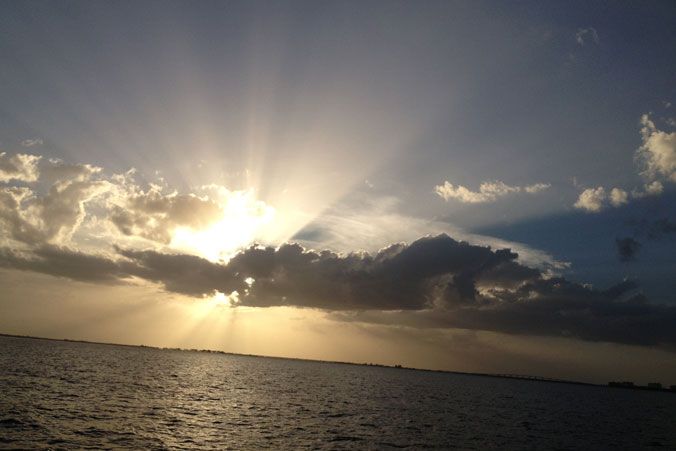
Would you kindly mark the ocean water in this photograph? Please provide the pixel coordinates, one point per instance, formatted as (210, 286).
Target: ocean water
(65, 395)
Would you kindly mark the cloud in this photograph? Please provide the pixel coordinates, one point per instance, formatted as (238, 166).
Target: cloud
(53, 217)
(658, 152)
(488, 191)
(627, 248)
(438, 282)
(19, 167)
(654, 229)
(645, 229)
(52, 210)
(551, 307)
(657, 155)
(591, 199)
(581, 34)
(618, 197)
(59, 171)
(180, 273)
(32, 142)
(594, 199)
(64, 262)
(536, 188)
(649, 189)
(66, 195)
(155, 216)
(660, 228)
(435, 282)
(374, 223)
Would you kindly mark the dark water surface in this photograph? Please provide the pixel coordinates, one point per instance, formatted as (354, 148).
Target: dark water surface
(65, 395)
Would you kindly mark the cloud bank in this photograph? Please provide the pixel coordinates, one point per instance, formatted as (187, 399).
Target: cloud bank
(435, 282)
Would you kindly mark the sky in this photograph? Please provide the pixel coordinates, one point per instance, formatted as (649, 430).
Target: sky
(479, 186)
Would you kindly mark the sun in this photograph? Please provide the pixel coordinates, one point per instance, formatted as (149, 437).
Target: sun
(244, 221)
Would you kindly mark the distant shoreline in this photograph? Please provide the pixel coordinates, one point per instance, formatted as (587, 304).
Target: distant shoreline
(210, 351)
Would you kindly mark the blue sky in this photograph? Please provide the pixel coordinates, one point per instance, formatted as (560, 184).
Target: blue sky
(195, 129)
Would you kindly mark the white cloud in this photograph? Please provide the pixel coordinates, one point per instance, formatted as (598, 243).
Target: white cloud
(488, 191)
(53, 216)
(580, 36)
(594, 199)
(649, 189)
(654, 188)
(618, 197)
(30, 217)
(32, 142)
(591, 199)
(658, 152)
(20, 167)
(536, 188)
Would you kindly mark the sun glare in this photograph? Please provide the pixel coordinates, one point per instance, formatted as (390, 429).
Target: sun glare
(244, 221)
(226, 300)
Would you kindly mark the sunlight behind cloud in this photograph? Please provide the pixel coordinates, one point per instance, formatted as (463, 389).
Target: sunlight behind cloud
(242, 223)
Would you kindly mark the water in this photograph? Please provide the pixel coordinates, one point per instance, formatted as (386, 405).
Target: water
(64, 396)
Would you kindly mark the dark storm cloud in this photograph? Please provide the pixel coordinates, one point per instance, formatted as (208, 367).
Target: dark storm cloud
(627, 248)
(433, 282)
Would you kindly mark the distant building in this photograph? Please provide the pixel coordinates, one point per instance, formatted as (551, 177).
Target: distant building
(655, 385)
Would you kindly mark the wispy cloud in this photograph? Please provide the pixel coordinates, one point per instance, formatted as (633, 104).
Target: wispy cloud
(32, 142)
(582, 35)
(654, 188)
(488, 191)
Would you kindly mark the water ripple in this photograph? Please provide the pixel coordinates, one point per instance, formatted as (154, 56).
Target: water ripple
(63, 395)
